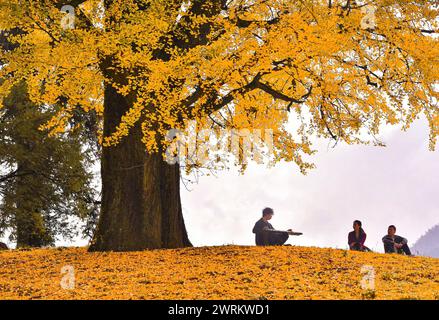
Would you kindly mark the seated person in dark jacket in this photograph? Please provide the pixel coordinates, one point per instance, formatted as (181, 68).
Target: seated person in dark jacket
(394, 243)
(357, 237)
(266, 235)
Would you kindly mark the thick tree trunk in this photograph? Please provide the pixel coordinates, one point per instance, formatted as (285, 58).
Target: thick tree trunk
(141, 206)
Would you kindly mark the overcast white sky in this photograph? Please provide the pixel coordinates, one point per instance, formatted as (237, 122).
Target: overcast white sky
(397, 185)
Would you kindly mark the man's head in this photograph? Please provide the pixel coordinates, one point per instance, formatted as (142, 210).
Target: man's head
(391, 230)
(267, 213)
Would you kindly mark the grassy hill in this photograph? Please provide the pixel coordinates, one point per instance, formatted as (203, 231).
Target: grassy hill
(226, 272)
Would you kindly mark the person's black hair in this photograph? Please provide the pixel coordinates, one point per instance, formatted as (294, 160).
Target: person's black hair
(392, 226)
(267, 211)
(360, 224)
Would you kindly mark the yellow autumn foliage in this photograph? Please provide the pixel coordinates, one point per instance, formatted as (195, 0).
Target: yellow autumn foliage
(224, 272)
(237, 64)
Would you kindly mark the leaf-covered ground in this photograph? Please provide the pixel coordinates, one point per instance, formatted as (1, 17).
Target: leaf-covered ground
(227, 272)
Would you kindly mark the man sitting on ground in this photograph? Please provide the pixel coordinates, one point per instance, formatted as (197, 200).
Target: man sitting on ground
(394, 243)
(266, 235)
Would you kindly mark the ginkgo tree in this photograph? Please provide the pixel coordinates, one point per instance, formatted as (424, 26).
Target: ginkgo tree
(343, 68)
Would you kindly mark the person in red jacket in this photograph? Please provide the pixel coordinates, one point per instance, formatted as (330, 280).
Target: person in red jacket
(357, 238)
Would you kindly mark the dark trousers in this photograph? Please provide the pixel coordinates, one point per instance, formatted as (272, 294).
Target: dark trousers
(359, 247)
(389, 248)
(277, 238)
(405, 248)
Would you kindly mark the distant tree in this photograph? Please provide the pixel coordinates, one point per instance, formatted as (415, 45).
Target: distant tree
(45, 182)
(342, 68)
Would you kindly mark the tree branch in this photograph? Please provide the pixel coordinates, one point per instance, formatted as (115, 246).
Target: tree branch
(279, 95)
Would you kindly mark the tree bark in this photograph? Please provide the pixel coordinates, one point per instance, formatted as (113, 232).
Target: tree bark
(141, 206)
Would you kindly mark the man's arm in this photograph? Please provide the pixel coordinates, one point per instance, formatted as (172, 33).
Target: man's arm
(401, 240)
(273, 230)
(387, 240)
